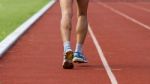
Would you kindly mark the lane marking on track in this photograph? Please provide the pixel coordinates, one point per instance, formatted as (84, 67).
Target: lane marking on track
(138, 7)
(14, 36)
(125, 16)
(101, 55)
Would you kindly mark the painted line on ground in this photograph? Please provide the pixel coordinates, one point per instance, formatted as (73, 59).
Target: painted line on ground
(102, 57)
(14, 36)
(125, 16)
(138, 7)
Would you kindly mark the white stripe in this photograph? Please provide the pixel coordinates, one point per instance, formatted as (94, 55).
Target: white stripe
(138, 7)
(12, 38)
(101, 55)
(125, 16)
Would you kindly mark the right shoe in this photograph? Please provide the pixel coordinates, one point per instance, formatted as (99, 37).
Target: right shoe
(67, 63)
(79, 58)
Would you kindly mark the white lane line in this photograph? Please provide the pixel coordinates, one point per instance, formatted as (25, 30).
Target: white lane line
(125, 16)
(101, 55)
(138, 7)
(14, 36)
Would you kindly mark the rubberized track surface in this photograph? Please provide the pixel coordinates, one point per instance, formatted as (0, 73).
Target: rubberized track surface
(37, 57)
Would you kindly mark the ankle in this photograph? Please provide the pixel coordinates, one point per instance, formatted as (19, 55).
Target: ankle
(78, 48)
(67, 46)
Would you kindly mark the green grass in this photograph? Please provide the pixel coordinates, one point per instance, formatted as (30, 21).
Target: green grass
(14, 12)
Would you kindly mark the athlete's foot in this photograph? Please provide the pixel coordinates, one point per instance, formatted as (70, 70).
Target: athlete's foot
(79, 58)
(67, 63)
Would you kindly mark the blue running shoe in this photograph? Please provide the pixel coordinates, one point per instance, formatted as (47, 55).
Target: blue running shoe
(67, 63)
(79, 58)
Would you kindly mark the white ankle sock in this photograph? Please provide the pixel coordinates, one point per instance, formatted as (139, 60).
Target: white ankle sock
(67, 46)
(78, 48)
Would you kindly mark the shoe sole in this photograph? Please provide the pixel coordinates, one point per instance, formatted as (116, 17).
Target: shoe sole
(68, 64)
(78, 60)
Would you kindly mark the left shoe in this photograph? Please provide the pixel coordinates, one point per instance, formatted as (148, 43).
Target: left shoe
(79, 58)
(67, 63)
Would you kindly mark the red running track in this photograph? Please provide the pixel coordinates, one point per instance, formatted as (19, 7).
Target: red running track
(37, 57)
(124, 43)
